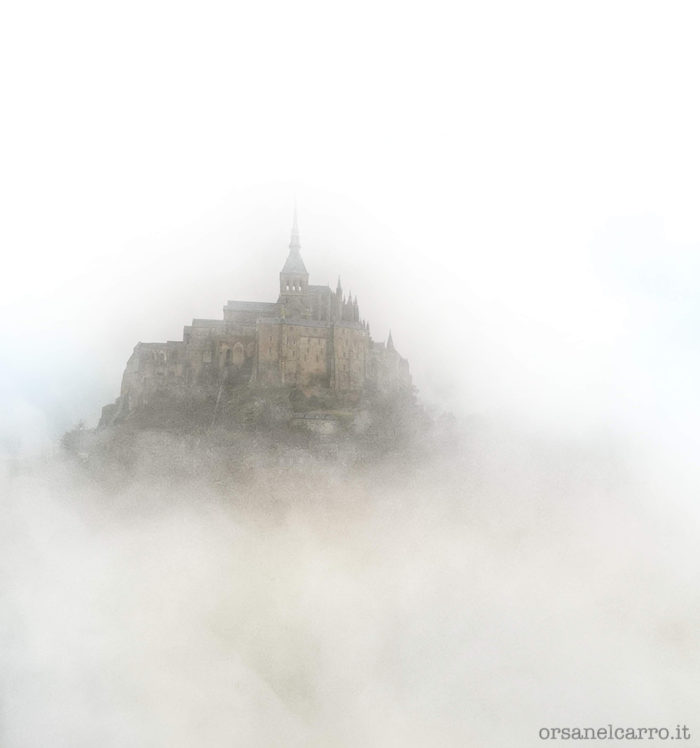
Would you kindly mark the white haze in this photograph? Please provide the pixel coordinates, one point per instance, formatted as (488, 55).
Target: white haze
(469, 600)
(512, 190)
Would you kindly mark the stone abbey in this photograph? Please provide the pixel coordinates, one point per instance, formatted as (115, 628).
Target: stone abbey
(311, 342)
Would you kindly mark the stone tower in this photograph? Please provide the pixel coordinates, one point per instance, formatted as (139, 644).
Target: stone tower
(294, 278)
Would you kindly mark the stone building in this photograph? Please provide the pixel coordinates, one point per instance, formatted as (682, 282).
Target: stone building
(311, 340)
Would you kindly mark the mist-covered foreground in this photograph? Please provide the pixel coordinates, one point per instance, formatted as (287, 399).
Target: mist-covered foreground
(466, 599)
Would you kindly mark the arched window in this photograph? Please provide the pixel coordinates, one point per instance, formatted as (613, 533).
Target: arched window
(228, 355)
(238, 355)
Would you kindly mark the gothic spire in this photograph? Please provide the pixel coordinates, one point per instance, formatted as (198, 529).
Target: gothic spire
(294, 263)
(295, 244)
(390, 342)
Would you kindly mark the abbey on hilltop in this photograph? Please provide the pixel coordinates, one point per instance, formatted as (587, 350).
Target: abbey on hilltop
(311, 342)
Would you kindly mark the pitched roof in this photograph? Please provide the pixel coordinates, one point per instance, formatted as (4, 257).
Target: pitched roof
(250, 306)
(294, 263)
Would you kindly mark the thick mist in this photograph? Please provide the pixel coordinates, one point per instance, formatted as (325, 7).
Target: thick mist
(504, 583)
(511, 190)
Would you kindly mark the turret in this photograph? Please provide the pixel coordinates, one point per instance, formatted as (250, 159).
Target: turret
(338, 312)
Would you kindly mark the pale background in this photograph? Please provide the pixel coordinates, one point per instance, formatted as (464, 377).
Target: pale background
(513, 190)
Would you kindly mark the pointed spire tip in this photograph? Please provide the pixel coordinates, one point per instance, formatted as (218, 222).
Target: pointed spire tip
(294, 243)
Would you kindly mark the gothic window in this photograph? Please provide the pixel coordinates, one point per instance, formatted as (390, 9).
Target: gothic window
(238, 354)
(228, 355)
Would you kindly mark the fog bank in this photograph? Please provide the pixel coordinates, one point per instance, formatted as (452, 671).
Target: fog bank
(515, 583)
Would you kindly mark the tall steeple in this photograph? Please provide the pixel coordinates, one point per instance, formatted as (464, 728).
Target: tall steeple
(294, 279)
(294, 264)
(295, 244)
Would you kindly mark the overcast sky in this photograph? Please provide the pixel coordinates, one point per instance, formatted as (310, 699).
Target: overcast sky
(512, 188)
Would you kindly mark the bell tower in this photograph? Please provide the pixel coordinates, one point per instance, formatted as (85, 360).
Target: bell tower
(294, 280)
